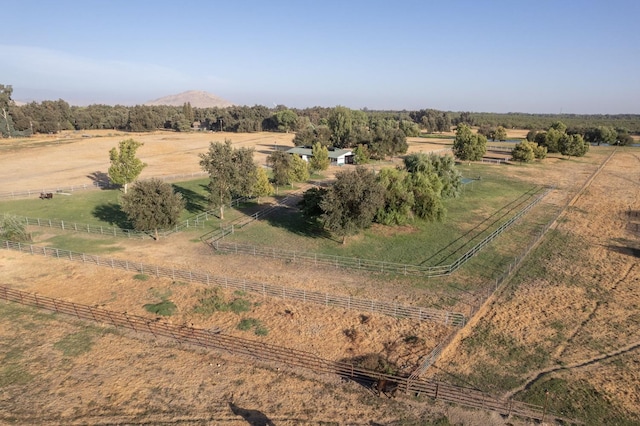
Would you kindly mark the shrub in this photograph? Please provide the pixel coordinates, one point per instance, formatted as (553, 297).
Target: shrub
(165, 308)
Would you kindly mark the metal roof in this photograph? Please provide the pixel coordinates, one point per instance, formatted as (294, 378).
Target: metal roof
(333, 153)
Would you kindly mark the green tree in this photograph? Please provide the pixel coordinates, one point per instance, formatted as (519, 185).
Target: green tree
(500, 134)
(398, 197)
(152, 205)
(13, 229)
(231, 173)
(361, 154)
(427, 194)
(340, 123)
(6, 126)
(523, 152)
(468, 146)
(299, 169)
(262, 186)
(573, 145)
(125, 166)
(286, 120)
(409, 128)
(281, 164)
(351, 203)
(320, 157)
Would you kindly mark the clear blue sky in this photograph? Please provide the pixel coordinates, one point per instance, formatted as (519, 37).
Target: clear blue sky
(546, 56)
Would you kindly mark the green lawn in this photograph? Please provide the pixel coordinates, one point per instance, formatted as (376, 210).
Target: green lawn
(484, 205)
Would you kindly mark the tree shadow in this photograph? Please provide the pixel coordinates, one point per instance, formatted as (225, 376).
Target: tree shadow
(292, 220)
(253, 417)
(100, 179)
(194, 202)
(112, 214)
(374, 363)
(629, 251)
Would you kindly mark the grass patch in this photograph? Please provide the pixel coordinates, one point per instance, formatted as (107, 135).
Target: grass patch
(82, 243)
(576, 400)
(212, 300)
(77, 343)
(165, 308)
(251, 323)
(478, 212)
(141, 277)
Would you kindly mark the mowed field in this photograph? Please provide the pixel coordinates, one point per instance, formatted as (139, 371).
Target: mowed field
(64, 371)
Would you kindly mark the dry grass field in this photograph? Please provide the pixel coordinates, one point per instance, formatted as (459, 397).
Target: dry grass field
(580, 306)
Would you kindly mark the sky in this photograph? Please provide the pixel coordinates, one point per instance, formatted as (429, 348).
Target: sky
(535, 56)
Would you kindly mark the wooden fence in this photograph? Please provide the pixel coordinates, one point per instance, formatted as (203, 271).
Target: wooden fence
(448, 318)
(285, 356)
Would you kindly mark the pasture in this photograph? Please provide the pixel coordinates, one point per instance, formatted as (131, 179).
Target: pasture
(328, 332)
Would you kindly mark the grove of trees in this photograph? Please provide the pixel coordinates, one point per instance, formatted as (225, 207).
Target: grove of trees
(394, 196)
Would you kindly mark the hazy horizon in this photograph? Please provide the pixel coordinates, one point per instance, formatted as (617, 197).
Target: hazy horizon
(546, 57)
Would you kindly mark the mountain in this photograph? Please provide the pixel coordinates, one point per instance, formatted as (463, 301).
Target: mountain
(196, 98)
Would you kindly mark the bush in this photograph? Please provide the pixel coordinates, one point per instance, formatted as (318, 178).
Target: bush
(12, 228)
(165, 308)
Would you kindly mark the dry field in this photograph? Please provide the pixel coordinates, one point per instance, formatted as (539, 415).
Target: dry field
(120, 378)
(571, 317)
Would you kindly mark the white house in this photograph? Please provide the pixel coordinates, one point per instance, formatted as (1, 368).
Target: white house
(338, 157)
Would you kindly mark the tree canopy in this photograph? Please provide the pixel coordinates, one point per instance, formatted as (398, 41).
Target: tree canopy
(351, 203)
(125, 166)
(281, 165)
(467, 145)
(152, 205)
(320, 157)
(232, 172)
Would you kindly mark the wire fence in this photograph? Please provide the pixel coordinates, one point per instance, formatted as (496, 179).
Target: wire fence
(433, 356)
(454, 319)
(288, 357)
(96, 184)
(325, 260)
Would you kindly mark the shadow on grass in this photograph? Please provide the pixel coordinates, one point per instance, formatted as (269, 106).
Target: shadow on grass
(291, 220)
(112, 214)
(101, 179)
(194, 202)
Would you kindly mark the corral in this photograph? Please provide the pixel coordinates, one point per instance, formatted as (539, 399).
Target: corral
(332, 333)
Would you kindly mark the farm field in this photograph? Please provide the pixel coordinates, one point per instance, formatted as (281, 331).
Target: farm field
(171, 374)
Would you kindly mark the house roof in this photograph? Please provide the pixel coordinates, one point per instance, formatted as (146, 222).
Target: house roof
(333, 152)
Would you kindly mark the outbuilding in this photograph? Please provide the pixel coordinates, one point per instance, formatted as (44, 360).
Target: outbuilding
(338, 157)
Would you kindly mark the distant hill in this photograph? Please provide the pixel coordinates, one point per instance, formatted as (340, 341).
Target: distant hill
(196, 98)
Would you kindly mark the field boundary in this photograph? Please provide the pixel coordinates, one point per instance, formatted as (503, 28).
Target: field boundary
(325, 260)
(95, 185)
(265, 352)
(454, 319)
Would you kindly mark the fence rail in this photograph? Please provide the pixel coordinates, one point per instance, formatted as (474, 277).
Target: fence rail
(271, 353)
(91, 186)
(448, 318)
(325, 260)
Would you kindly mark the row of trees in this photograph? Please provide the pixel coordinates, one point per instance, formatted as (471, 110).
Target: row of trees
(353, 202)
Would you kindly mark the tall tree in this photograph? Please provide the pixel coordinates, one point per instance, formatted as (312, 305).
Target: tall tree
(340, 123)
(231, 173)
(573, 145)
(152, 205)
(299, 169)
(262, 186)
(500, 134)
(6, 128)
(320, 157)
(468, 145)
(281, 164)
(398, 197)
(286, 120)
(125, 166)
(351, 203)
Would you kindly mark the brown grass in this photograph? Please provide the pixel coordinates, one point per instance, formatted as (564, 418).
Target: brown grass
(122, 379)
